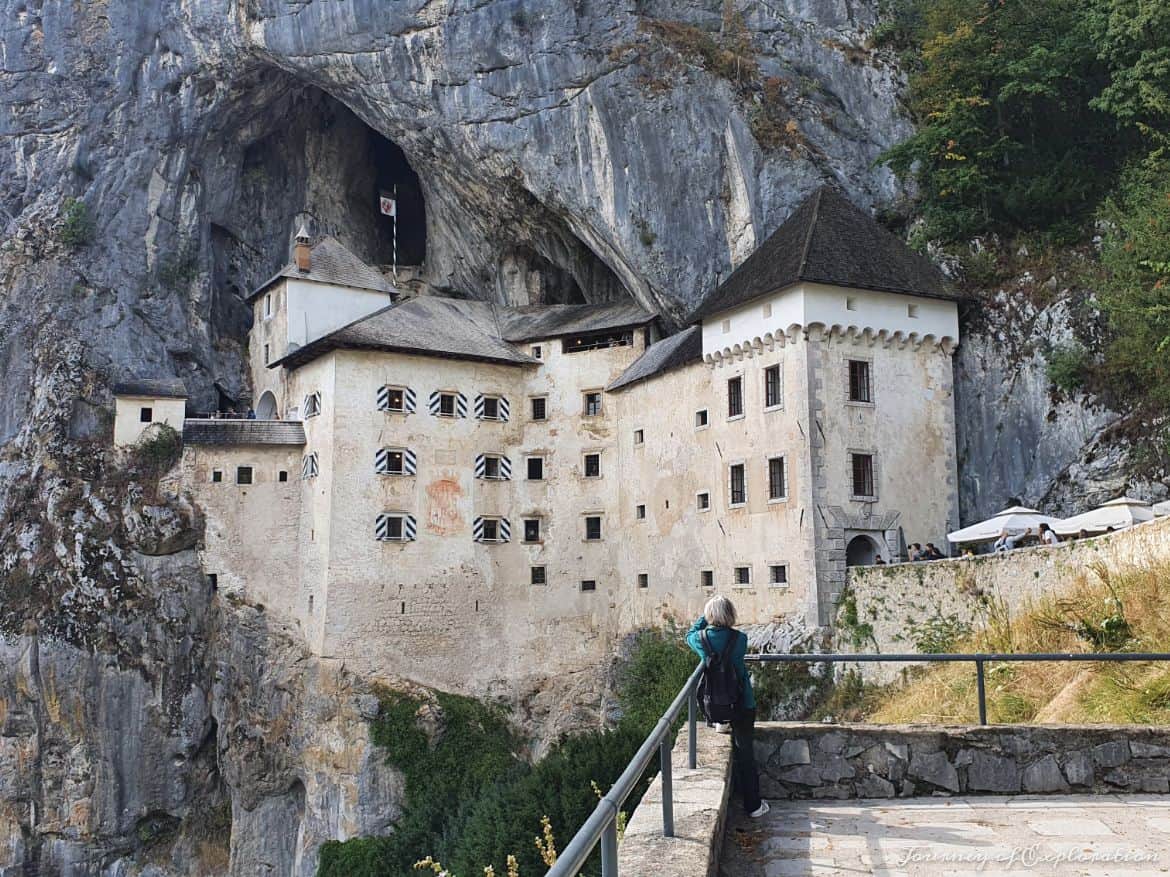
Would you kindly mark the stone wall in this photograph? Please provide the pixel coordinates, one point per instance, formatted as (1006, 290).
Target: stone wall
(888, 761)
(886, 603)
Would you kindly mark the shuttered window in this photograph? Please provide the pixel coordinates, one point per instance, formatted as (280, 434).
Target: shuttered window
(492, 408)
(309, 467)
(395, 527)
(312, 405)
(493, 467)
(397, 399)
(491, 530)
(395, 461)
(447, 403)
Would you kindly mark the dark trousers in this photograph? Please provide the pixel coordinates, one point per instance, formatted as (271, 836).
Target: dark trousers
(746, 778)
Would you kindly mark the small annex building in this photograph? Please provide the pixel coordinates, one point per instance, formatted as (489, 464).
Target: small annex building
(140, 404)
(430, 477)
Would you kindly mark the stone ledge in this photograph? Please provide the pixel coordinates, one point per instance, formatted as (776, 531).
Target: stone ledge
(700, 804)
(802, 760)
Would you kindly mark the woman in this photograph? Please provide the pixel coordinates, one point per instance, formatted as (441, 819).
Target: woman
(718, 619)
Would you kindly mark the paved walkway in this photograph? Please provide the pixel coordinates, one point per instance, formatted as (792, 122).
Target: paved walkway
(1126, 835)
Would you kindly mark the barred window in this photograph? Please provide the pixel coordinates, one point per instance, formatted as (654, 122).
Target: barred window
(592, 528)
(735, 397)
(778, 574)
(592, 404)
(860, 386)
(862, 466)
(738, 484)
(772, 391)
(593, 465)
(777, 479)
(743, 575)
(539, 408)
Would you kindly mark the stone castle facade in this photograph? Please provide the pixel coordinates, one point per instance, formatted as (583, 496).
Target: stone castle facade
(454, 491)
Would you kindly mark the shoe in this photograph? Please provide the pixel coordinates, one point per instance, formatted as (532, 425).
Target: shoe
(722, 727)
(760, 811)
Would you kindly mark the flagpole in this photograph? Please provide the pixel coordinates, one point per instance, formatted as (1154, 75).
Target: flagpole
(395, 218)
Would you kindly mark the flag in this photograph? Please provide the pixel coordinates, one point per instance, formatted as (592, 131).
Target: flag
(389, 205)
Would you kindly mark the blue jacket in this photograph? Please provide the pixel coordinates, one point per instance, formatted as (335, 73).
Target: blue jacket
(718, 637)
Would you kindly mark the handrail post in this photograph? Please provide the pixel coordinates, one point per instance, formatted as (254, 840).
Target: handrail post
(982, 692)
(692, 730)
(609, 865)
(667, 787)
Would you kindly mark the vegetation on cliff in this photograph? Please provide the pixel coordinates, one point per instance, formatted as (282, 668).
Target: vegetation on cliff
(1037, 119)
(1100, 612)
(472, 800)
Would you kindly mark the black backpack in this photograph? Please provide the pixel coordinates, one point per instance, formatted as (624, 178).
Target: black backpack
(720, 689)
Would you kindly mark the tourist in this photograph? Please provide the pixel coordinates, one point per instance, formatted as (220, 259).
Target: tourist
(879, 561)
(968, 551)
(251, 414)
(718, 620)
(916, 552)
(1082, 533)
(932, 553)
(1048, 535)
(1006, 541)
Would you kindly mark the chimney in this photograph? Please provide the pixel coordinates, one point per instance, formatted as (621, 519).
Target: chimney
(301, 251)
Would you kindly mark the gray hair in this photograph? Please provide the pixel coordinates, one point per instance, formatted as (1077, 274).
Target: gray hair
(719, 612)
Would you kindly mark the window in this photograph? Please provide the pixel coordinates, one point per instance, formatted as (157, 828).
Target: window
(738, 485)
(778, 575)
(395, 461)
(592, 404)
(309, 465)
(643, 580)
(266, 357)
(490, 530)
(597, 341)
(639, 437)
(701, 418)
(282, 476)
(532, 529)
(773, 398)
(536, 468)
(243, 475)
(395, 527)
(539, 408)
(766, 310)
(850, 303)
(588, 584)
(491, 408)
(213, 580)
(537, 575)
(640, 511)
(312, 405)
(216, 476)
(593, 528)
(735, 397)
(707, 578)
(859, 381)
(703, 501)
(912, 311)
(537, 353)
(392, 399)
(447, 404)
(145, 415)
(593, 465)
(267, 308)
(862, 466)
(743, 576)
(777, 479)
(725, 326)
(491, 467)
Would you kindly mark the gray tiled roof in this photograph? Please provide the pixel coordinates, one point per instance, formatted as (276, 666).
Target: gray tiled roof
(828, 239)
(532, 322)
(243, 432)
(330, 262)
(428, 324)
(161, 388)
(662, 356)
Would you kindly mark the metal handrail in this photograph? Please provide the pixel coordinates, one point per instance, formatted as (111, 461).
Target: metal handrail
(601, 826)
(602, 822)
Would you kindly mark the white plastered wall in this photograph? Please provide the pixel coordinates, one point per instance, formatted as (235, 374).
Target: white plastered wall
(128, 422)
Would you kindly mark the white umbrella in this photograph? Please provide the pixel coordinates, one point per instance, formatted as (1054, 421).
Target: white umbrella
(1162, 509)
(1015, 520)
(1117, 513)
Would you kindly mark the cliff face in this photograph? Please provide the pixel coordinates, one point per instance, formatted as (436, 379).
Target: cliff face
(571, 151)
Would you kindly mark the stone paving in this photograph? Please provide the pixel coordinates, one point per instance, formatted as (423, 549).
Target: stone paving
(1125, 835)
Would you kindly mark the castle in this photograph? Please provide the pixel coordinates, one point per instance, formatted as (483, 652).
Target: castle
(451, 489)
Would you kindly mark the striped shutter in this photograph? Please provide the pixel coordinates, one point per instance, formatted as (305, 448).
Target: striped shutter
(461, 405)
(479, 465)
(382, 528)
(433, 403)
(477, 530)
(479, 406)
(505, 530)
(408, 400)
(383, 398)
(409, 462)
(309, 465)
(313, 404)
(505, 469)
(505, 411)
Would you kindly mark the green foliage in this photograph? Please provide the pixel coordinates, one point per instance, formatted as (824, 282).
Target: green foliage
(158, 450)
(1133, 39)
(1134, 290)
(78, 228)
(1008, 137)
(849, 624)
(937, 633)
(1068, 367)
(179, 268)
(471, 800)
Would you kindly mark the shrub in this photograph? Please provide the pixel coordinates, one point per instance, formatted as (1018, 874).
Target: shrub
(1068, 366)
(78, 227)
(158, 450)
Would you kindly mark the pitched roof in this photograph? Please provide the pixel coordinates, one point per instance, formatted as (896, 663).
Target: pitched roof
(330, 262)
(531, 322)
(828, 239)
(662, 356)
(430, 325)
(199, 431)
(161, 388)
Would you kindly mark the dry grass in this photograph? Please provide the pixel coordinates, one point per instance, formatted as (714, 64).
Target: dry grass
(1100, 611)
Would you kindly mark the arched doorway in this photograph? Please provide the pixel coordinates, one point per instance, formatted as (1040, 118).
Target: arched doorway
(861, 551)
(266, 407)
